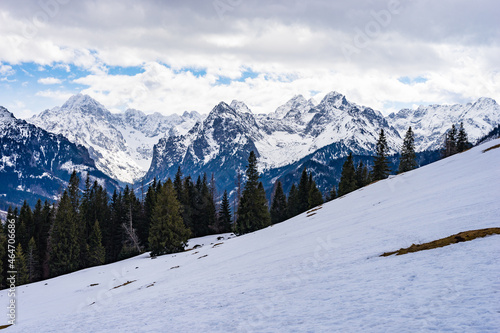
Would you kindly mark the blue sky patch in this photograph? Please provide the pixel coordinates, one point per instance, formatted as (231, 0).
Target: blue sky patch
(412, 80)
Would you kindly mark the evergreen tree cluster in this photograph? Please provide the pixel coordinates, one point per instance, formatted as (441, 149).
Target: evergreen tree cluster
(455, 141)
(300, 198)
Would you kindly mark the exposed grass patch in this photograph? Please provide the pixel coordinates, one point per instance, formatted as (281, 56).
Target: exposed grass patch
(215, 245)
(311, 214)
(124, 284)
(453, 239)
(491, 148)
(94, 284)
(174, 267)
(206, 255)
(314, 209)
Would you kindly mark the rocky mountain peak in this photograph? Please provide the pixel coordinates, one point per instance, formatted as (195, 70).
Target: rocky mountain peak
(6, 115)
(239, 106)
(86, 105)
(334, 100)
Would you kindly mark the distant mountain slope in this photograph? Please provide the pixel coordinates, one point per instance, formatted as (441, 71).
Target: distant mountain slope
(317, 272)
(430, 123)
(37, 164)
(120, 144)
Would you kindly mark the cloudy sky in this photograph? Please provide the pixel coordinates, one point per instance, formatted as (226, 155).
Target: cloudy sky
(177, 55)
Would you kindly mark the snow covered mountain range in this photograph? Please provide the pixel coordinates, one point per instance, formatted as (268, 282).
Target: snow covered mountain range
(37, 164)
(120, 144)
(429, 123)
(131, 145)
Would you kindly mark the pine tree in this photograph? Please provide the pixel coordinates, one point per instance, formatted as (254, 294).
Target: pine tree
(278, 206)
(450, 143)
(178, 183)
(315, 196)
(48, 213)
(304, 188)
(348, 181)
(25, 229)
(462, 140)
(381, 168)
(208, 206)
(293, 202)
(32, 261)
(3, 257)
(362, 176)
(253, 213)
(74, 191)
(408, 159)
(97, 253)
(64, 239)
(225, 214)
(167, 232)
(21, 267)
(332, 195)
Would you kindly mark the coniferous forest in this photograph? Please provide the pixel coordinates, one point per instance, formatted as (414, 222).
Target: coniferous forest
(91, 227)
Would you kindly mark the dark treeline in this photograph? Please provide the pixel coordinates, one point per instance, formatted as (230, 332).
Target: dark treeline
(89, 227)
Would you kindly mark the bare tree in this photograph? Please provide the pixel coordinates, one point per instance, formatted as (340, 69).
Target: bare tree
(132, 238)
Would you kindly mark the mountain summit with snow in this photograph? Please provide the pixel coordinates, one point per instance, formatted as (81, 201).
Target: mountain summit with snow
(120, 144)
(430, 123)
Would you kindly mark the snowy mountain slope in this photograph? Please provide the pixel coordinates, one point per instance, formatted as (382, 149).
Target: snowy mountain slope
(37, 164)
(220, 144)
(334, 120)
(430, 123)
(121, 144)
(317, 272)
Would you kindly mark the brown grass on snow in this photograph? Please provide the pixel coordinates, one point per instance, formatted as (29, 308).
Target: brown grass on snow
(453, 239)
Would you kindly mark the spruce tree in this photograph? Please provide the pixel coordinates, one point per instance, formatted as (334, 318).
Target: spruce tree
(208, 207)
(167, 232)
(32, 261)
(304, 188)
(178, 183)
(332, 195)
(253, 213)
(64, 239)
(74, 191)
(450, 143)
(293, 202)
(3, 257)
(225, 214)
(278, 206)
(21, 267)
(25, 229)
(348, 181)
(381, 168)
(462, 140)
(408, 159)
(315, 196)
(362, 176)
(97, 253)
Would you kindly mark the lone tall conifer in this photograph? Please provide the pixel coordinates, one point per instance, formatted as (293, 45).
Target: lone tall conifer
(408, 158)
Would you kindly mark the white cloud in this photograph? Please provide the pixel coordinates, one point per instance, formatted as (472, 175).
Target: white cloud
(296, 47)
(58, 96)
(6, 70)
(50, 80)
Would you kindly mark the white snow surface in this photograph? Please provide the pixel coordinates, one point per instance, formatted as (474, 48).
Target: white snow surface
(313, 273)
